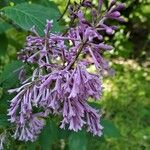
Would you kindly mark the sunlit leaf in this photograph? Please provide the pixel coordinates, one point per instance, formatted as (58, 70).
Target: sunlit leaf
(28, 15)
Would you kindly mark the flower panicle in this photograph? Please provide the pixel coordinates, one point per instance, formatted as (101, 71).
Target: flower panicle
(61, 83)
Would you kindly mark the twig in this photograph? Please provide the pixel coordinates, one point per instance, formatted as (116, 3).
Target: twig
(64, 11)
(76, 57)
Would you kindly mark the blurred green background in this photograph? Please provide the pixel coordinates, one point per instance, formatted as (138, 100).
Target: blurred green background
(126, 96)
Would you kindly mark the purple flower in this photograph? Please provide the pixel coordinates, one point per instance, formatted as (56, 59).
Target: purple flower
(77, 113)
(3, 139)
(28, 124)
(30, 130)
(60, 83)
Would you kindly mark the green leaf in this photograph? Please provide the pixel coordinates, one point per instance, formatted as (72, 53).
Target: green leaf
(31, 145)
(3, 26)
(4, 102)
(46, 3)
(3, 3)
(110, 130)
(9, 76)
(63, 134)
(95, 105)
(27, 15)
(48, 136)
(3, 121)
(78, 141)
(17, 1)
(3, 44)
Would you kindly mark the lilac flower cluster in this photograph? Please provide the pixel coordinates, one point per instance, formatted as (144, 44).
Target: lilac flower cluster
(60, 83)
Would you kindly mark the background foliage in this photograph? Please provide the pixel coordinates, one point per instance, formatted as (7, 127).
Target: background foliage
(126, 98)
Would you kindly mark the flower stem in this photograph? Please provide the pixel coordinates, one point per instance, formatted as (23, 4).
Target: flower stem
(77, 55)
